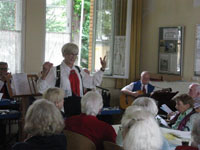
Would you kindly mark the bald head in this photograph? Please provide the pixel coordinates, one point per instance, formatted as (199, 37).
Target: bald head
(194, 90)
(145, 77)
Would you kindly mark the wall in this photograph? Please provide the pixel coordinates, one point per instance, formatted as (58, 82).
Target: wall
(166, 13)
(156, 13)
(34, 35)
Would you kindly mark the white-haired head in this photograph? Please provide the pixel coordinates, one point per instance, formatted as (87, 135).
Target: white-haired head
(141, 131)
(194, 90)
(145, 77)
(91, 103)
(43, 118)
(147, 104)
(70, 48)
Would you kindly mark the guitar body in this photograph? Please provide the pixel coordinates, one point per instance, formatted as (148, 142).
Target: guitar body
(125, 101)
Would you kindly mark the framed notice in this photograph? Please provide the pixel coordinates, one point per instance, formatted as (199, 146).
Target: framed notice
(197, 51)
(170, 50)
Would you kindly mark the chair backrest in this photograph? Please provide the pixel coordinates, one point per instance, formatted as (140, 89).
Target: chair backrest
(32, 84)
(77, 141)
(32, 81)
(111, 146)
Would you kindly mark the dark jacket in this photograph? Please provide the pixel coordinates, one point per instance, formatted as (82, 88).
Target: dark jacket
(54, 142)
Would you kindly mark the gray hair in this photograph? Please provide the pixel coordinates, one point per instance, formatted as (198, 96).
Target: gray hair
(70, 48)
(196, 131)
(142, 131)
(54, 94)
(143, 73)
(43, 118)
(147, 103)
(196, 86)
(91, 103)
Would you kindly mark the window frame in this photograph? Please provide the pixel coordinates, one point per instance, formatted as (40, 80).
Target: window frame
(109, 73)
(22, 37)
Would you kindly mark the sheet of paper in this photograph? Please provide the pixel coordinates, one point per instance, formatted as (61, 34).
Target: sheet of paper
(175, 136)
(184, 135)
(116, 127)
(21, 84)
(1, 84)
(162, 121)
(165, 108)
(1, 94)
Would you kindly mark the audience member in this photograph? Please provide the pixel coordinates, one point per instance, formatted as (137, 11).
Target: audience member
(43, 124)
(88, 125)
(72, 79)
(139, 87)
(55, 95)
(194, 91)
(184, 119)
(197, 106)
(149, 105)
(4, 79)
(195, 134)
(140, 130)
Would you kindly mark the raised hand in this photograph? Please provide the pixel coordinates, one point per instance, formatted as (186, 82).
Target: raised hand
(103, 63)
(45, 69)
(6, 77)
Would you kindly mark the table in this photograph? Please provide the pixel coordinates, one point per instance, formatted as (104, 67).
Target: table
(176, 137)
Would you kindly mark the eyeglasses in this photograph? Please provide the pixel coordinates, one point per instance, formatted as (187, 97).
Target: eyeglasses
(4, 69)
(74, 55)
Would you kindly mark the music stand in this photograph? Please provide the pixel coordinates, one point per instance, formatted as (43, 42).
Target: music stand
(164, 97)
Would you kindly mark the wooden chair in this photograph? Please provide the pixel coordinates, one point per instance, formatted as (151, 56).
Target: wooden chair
(32, 81)
(111, 146)
(77, 141)
(24, 100)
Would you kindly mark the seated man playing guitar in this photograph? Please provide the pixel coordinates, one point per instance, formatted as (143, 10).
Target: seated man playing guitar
(135, 89)
(140, 87)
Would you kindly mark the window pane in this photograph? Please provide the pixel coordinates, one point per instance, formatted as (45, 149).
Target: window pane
(57, 29)
(103, 33)
(10, 31)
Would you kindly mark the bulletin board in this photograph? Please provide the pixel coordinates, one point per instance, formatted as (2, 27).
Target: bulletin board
(170, 49)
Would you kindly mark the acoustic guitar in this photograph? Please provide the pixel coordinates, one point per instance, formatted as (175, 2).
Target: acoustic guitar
(126, 100)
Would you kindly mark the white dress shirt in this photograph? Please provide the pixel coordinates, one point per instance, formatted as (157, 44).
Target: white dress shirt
(87, 80)
(131, 85)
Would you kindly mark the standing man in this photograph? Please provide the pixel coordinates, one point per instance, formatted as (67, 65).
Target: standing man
(139, 87)
(72, 79)
(4, 79)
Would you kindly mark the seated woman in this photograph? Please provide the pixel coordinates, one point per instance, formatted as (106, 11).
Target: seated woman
(43, 124)
(140, 130)
(195, 134)
(149, 105)
(55, 95)
(88, 125)
(184, 119)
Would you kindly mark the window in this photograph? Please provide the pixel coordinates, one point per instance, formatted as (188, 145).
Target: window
(111, 36)
(11, 22)
(58, 28)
